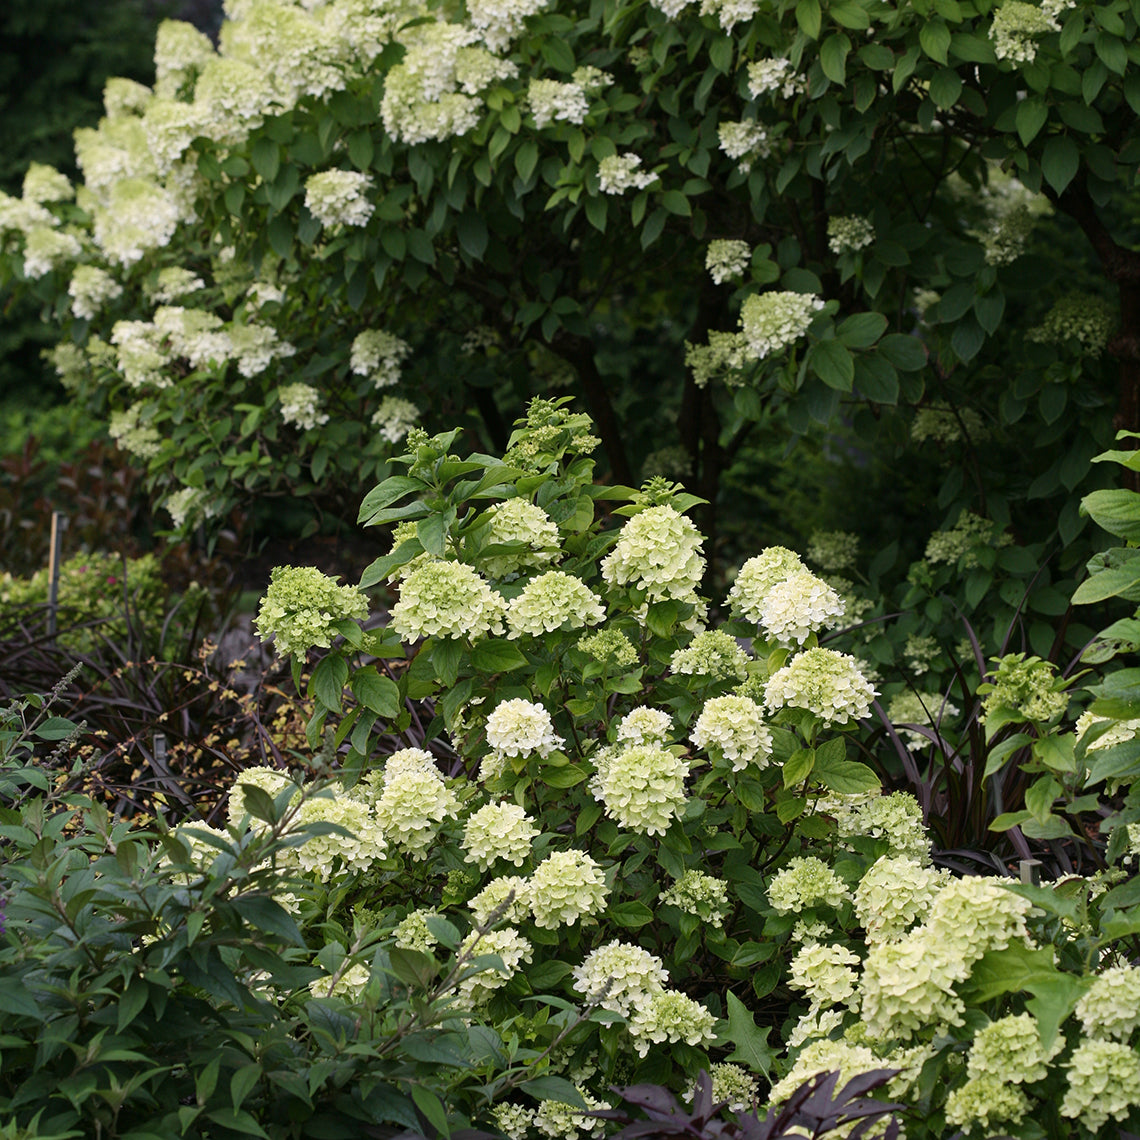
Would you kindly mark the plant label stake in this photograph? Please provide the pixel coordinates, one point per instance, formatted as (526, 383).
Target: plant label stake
(58, 525)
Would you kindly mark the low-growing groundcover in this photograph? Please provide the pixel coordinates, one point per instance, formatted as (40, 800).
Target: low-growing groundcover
(625, 850)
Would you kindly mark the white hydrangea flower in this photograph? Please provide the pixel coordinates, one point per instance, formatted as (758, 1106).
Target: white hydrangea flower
(514, 1121)
(300, 405)
(394, 418)
(300, 606)
(619, 975)
(643, 788)
(813, 1025)
(413, 801)
(1104, 1083)
(446, 599)
(566, 886)
(1111, 1007)
(618, 173)
(658, 550)
(895, 893)
(90, 289)
(498, 831)
(142, 357)
(175, 282)
(412, 932)
(746, 140)
(848, 233)
(255, 347)
(518, 520)
(511, 947)
(139, 216)
(1010, 1048)
(188, 504)
(643, 725)
(128, 429)
(774, 76)
(774, 320)
(339, 197)
(824, 682)
(180, 52)
(895, 818)
(499, 22)
(349, 986)
(561, 1121)
(734, 1084)
(824, 973)
(46, 249)
(805, 882)
(795, 608)
(124, 97)
(986, 1100)
(757, 576)
(726, 260)
(826, 1056)
(43, 183)
(733, 727)
(194, 334)
(668, 1015)
(378, 355)
(699, 894)
(1016, 27)
(493, 897)
(358, 851)
(551, 601)
(551, 101)
(517, 727)
(712, 653)
(730, 12)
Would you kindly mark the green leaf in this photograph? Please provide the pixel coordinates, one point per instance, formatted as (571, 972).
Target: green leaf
(1108, 583)
(750, 1042)
(432, 1108)
(266, 158)
(630, 914)
(876, 379)
(565, 776)
(833, 364)
(243, 1081)
(844, 776)
(237, 1121)
(1117, 511)
(676, 203)
(445, 655)
(1009, 971)
(496, 656)
(934, 36)
(432, 533)
(945, 88)
(798, 766)
(1030, 118)
(809, 18)
(861, 330)
(1060, 161)
(526, 159)
(388, 492)
(472, 231)
(378, 693)
(558, 1089)
(906, 353)
(280, 233)
(328, 681)
(833, 54)
(1112, 52)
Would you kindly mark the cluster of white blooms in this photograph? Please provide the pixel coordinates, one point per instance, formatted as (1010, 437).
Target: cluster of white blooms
(826, 1056)
(300, 607)
(498, 831)
(805, 882)
(745, 140)
(658, 551)
(1104, 1083)
(513, 1120)
(43, 183)
(985, 1101)
(1104, 733)
(446, 599)
(301, 405)
(699, 894)
(142, 357)
(561, 1121)
(833, 550)
(670, 1016)
(1083, 317)
(339, 197)
(174, 282)
(725, 355)
(414, 801)
(194, 334)
(349, 986)
(1111, 1006)
(180, 52)
(774, 320)
(920, 652)
(771, 76)
(611, 647)
(730, 12)
(566, 886)
(735, 1085)
(895, 819)
(619, 976)
(200, 851)
(188, 504)
(642, 788)
(943, 424)
(90, 289)
(1016, 27)
(358, 850)
(1011, 1049)
(394, 418)
(476, 985)
(255, 347)
(269, 780)
(124, 97)
(727, 259)
(643, 725)
(517, 727)
(798, 606)
(964, 542)
(500, 21)
(618, 173)
(128, 429)
(139, 216)
(757, 576)
(1026, 684)
(732, 728)
(824, 973)
(551, 101)
(378, 355)
(412, 932)
(519, 521)
(848, 233)
(895, 893)
(262, 293)
(46, 249)
(19, 215)
(492, 900)
(824, 682)
(712, 653)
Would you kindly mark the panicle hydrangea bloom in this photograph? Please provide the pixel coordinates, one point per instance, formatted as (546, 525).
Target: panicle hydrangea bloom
(668, 1015)
(518, 520)
(618, 173)
(986, 1100)
(513, 1120)
(619, 975)
(849, 233)
(805, 882)
(414, 801)
(643, 725)
(771, 76)
(171, 127)
(125, 97)
(234, 96)
(895, 893)
(643, 788)
(194, 334)
(188, 504)
(730, 12)
(696, 893)
(562, 1121)
(128, 429)
(733, 728)
(551, 601)
(262, 293)
(358, 851)
(300, 607)
(47, 249)
(202, 853)
(511, 947)
(925, 709)
(1025, 684)
(824, 682)
(517, 727)
(658, 550)
(139, 216)
(339, 197)
(726, 354)
(1111, 1007)
(611, 647)
(90, 289)
(824, 973)
(1104, 1082)
(825, 1056)
(499, 22)
(1083, 317)
(726, 259)
(833, 550)
(180, 52)
(43, 183)
(978, 915)
(446, 599)
(757, 576)
(498, 831)
(142, 357)
(20, 215)
(964, 542)
(714, 654)
(1016, 27)
(1011, 1049)
(746, 140)
(349, 986)
(895, 818)
(301, 405)
(566, 886)
(493, 897)
(255, 347)
(394, 418)
(772, 321)
(412, 932)
(798, 606)
(551, 101)
(174, 282)
(378, 355)
(734, 1084)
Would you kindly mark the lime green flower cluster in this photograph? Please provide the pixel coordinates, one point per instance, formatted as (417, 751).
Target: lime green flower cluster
(301, 606)
(1028, 686)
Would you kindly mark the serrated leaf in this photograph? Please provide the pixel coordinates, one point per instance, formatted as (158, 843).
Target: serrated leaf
(376, 692)
(496, 656)
(1030, 118)
(1060, 161)
(328, 681)
(749, 1040)
(833, 364)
